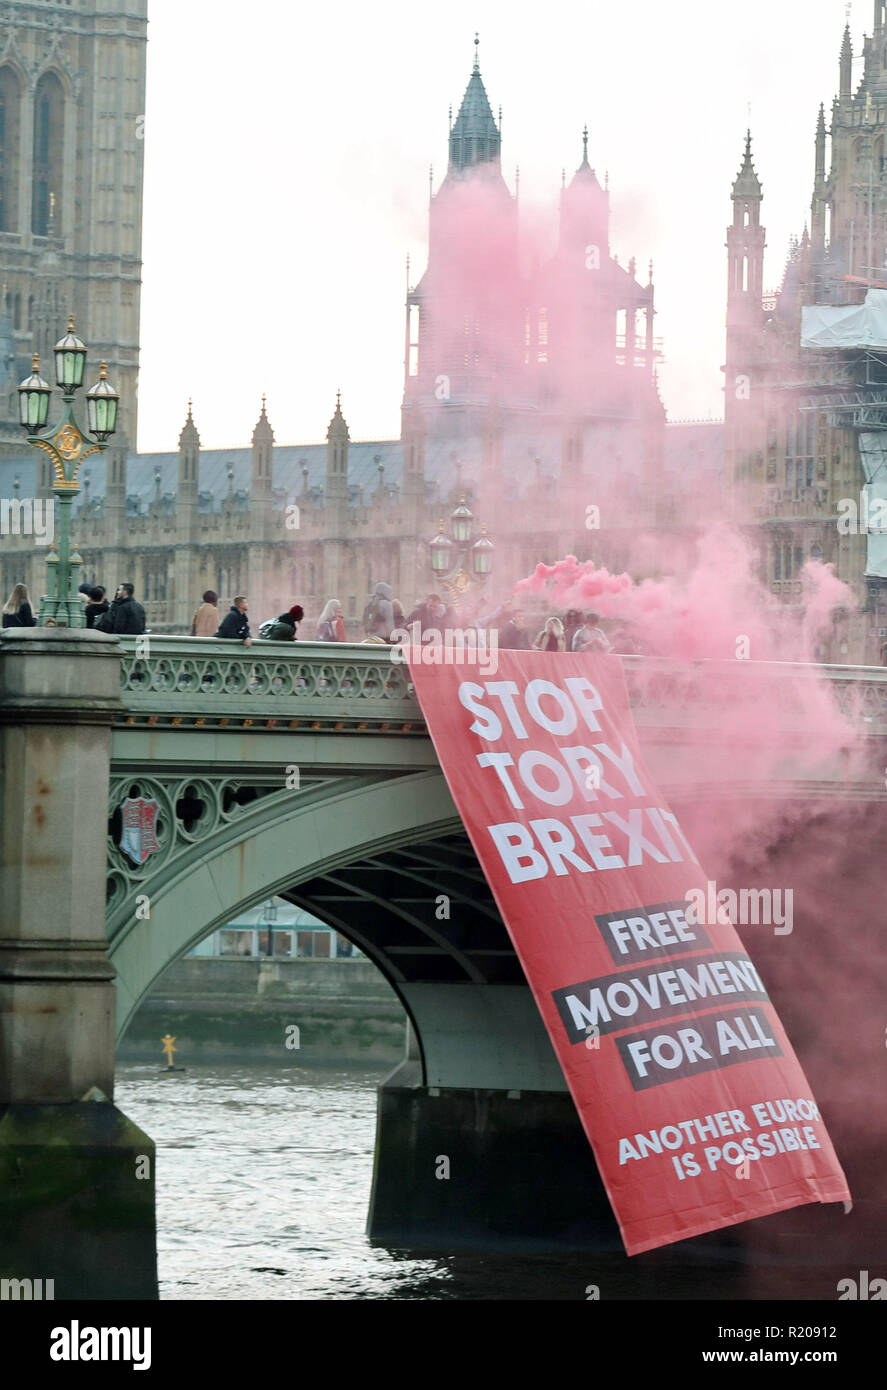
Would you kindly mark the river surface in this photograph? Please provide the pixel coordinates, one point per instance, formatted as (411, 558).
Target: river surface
(263, 1185)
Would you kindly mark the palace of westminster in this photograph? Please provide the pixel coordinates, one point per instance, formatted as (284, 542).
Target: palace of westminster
(532, 393)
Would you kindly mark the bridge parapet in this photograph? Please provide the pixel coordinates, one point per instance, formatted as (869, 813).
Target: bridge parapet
(270, 684)
(205, 682)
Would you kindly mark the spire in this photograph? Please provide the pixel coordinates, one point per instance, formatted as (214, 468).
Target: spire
(585, 175)
(337, 439)
(263, 433)
(747, 184)
(820, 145)
(189, 433)
(474, 136)
(846, 66)
(338, 428)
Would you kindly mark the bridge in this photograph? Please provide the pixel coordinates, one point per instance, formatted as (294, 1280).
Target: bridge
(308, 772)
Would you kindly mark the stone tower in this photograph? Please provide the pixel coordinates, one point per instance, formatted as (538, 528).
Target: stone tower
(72, 126)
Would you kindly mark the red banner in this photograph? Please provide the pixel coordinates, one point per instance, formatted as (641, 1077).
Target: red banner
(687, 1086)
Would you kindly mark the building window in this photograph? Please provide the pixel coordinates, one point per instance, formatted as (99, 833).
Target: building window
(49, 107)
(10, 106)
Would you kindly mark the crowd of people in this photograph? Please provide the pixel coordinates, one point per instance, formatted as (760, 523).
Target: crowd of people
(384, 621)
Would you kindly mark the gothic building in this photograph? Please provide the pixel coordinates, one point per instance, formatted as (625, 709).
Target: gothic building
(530, 388)
(806, 365)
(72, 102)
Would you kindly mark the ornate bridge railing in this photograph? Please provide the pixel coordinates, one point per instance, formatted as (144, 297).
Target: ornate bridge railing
(202, 682)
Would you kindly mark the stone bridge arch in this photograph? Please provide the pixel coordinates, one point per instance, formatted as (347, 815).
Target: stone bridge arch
(369, 856)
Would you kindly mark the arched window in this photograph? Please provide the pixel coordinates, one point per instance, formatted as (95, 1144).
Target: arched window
(49, 121)
(10, 107)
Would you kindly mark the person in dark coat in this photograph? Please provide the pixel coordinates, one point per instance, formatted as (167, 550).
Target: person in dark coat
(283, 629)
(235, 623)
(96, 605)
(572, 624)
(512, 636)
(125, 617)
(17, 609)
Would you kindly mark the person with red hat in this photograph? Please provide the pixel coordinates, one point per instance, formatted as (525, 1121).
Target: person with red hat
(283, 629)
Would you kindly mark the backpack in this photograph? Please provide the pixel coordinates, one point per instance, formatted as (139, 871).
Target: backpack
(104, 623)
(265, 628)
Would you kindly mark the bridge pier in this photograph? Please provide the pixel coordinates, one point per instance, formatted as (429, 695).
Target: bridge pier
(476, 1169)
(478, 1142)
(76, 1177)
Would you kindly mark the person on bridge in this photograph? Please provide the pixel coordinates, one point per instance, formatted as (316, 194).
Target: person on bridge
(572, 624)
(378, 616)
(512, 634)
(590, 638)
(206, 619)
(284, 628)
(125, 617)
(17, 609)
(331, 624)
(551, 638)
(235, 623)
(96, 604)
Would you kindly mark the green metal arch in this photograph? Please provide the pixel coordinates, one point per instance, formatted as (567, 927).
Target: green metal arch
(312, 838)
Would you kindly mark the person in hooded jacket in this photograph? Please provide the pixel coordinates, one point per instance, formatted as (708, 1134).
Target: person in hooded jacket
(378, 617)
(284, 628)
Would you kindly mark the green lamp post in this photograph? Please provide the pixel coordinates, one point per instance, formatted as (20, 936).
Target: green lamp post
(67, 446)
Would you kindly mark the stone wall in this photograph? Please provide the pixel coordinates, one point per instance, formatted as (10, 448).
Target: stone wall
(246, 1009)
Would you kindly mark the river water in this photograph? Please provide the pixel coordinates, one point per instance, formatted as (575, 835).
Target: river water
(263, 1185)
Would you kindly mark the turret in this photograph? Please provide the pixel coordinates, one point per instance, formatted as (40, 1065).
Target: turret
(337, 440)
(474, 136)
(585, 212)
(189, 465)
(263, 452)
(745, 238)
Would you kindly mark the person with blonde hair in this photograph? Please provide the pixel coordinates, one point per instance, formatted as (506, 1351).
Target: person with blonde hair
(17, 609)
(552, 637)
(331, 624)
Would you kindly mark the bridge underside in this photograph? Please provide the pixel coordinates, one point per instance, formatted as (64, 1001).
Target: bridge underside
(478, 1142)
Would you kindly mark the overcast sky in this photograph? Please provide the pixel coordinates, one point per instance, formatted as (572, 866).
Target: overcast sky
(287, 149)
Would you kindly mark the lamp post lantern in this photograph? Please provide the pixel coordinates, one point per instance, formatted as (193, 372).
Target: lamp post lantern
(456, 562)
(67, 446)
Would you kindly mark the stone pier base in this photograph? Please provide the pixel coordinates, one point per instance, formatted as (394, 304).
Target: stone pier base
(521, 1173)
(77, 1201)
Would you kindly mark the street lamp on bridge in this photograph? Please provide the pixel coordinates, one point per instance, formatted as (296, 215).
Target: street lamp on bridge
(457, 563)
(67, 446)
